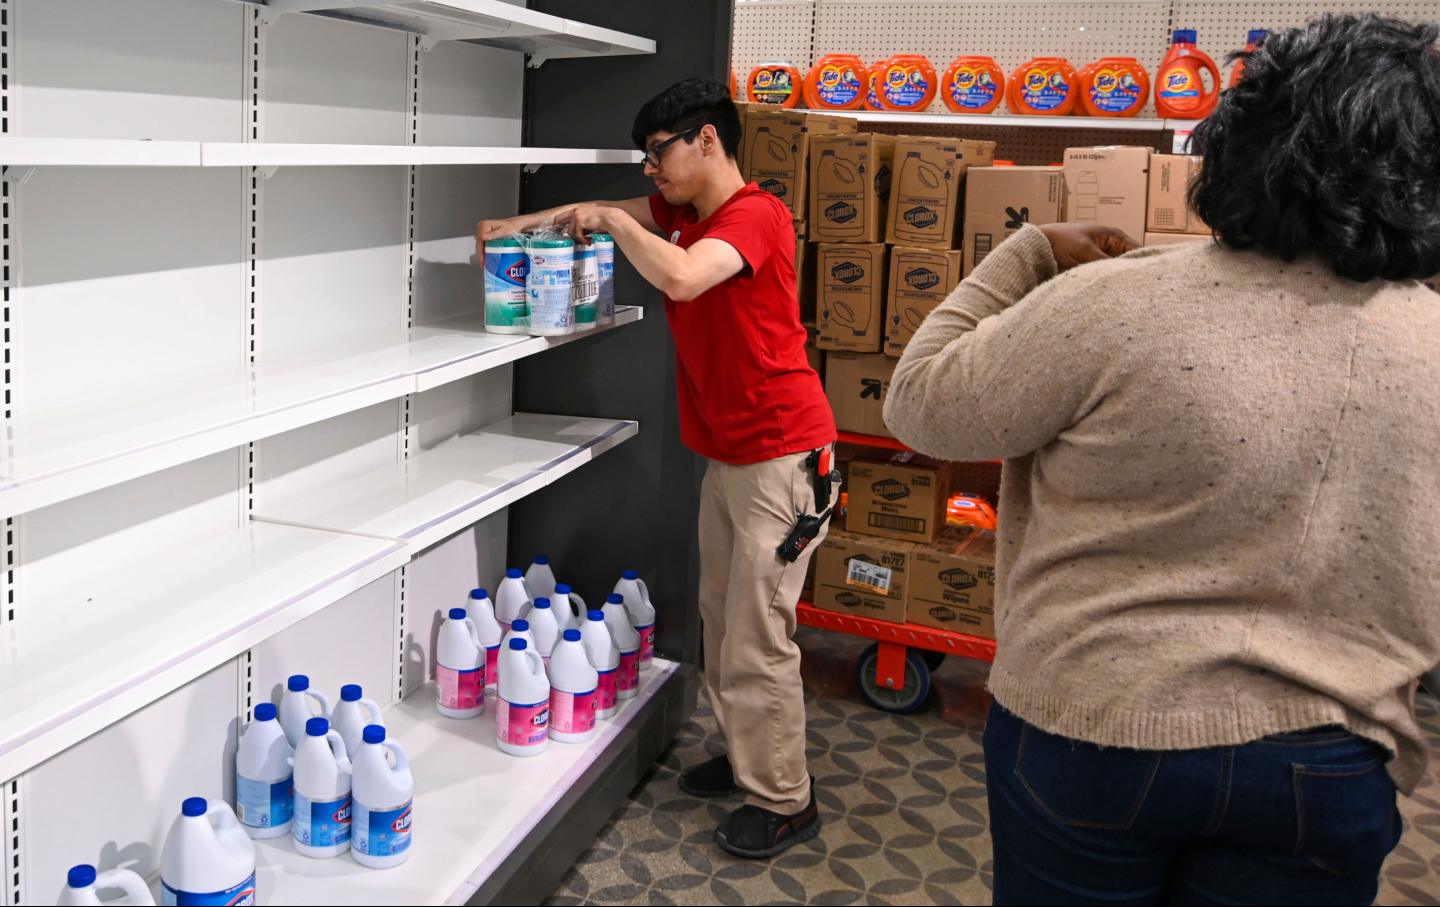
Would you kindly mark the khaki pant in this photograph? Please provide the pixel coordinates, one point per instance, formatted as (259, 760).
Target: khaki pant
(747, 604)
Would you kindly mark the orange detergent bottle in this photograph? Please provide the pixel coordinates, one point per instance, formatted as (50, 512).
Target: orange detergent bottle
(1046, 86)
(973, 85)
(872, 93)
(732, 86)
(774, 82)
(907, 82)
(836, 82)
(1179, 89)
(1114, 87)
(1252, 41)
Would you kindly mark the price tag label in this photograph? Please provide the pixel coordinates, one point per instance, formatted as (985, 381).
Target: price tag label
(868, 576)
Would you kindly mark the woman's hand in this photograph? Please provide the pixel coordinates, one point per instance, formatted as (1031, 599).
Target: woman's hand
(1078, 244)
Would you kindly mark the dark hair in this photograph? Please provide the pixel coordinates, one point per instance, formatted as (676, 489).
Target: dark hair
(1330, 146)
(685, 105)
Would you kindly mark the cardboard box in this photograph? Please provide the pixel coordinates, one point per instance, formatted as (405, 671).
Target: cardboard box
(952, 583)
(812, 352)
(920, 279)
(902, 498)
(777, 147)
(1001, 200)
(857, 384)
(849, 187)
(1107, 186)
(743, 109)
(852, 296)
(1170, 239)
(862, 575)
(925, 196)
(1167, 210)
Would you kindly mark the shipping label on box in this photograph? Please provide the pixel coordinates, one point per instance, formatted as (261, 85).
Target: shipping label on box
(1107, 186)
(925, 197)
(852, 296)
(920, 279)
(850, 180)
(1168, 207)
(902, 498)
(776, 151)
(1001, 200)
(952, 584)
(856, 385)
(862, 575)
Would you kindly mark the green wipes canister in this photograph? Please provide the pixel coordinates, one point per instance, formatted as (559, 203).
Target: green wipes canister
(548, 286)
(506, 267)
(605, 257)
(585, 286)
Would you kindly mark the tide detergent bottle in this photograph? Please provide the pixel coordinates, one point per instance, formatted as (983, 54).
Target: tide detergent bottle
(836, 82)
(1114, 87)
(459, 667)
(574, 684)
(353, 714)
(488, 629)
(321, 828)
(511, 598)
(383, 795)
(264, 795)
(775, 82)
(83, 885)
(1180, 89)
(617, 619)
(604, 657)
(522, 720)
(907, 82)
(972, 84)
(208, 858)
(872, 92)
(641, 611)
(1046, 86)
(295, 707)
(1252, 41)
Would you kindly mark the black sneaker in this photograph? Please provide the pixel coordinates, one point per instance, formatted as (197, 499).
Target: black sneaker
(714, 778)
(758, 833)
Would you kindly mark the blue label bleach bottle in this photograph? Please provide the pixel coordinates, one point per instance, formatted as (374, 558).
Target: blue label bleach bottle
(383, 796)
(264, 795)
(208, 858)
(322, 793)
(83, 885)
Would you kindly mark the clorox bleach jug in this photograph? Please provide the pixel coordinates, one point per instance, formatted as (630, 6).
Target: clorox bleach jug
(488, 628)
(562, 605)
(511, 598)
(295, 709)
(321, 827)
(617, 619)
(642, 613)
(540, 579)
(522, 720)
(83, 886)
(574, 683)
(519, 629)
(543, 627)
(353, 714)
(459, 667)
(383, 796)
(604, 657)
(1179, 89)
(264, 798)
(208, 858)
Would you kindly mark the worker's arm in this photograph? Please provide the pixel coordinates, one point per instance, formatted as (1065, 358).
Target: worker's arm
(681, 274)
(499, 228)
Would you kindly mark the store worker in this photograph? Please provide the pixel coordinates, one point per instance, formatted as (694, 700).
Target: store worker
(1219, 551)
(752, 406)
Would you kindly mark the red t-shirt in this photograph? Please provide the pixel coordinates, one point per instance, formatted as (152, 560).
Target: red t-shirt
(747, 391)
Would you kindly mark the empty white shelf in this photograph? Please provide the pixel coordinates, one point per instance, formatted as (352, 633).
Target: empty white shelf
(488, 22)
(46, 152)
(58, 454)
(122, 635)
(1133, 124)
(432, 495)
(281, 154)
(473, 805)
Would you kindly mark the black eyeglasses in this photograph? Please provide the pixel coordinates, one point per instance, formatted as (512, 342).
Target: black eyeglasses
(652, 157)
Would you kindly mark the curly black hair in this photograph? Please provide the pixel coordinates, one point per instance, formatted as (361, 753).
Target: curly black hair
(685, 105)
(1330, 146)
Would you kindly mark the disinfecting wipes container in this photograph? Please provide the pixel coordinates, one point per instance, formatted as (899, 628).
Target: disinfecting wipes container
(585, 287)
(506, 268)
(548, 286)
(604, 245)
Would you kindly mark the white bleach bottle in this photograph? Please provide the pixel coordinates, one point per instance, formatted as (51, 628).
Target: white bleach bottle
(522, 720)
(295, 707)
(540, 579)
(83, 886)
(605, 659)
(321, 827)
(519, 629)
(264, 795)
(544, 629)
(489, 630)
(208, 858)
(569, 607)
(512, 597)
(573, 687)
(353, 714)
(383, 797)
(459, 667)
(642, 613)
(617, 618)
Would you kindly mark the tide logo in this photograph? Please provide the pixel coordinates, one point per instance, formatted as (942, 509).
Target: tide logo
(965, 79)
(890, 489)
(764, 79)
(921, 217)
(841, 213)
(829, 77)
(922, 278)
(1177, 80)
(342, 815)
(959, 579)
(896, 78)
(847, 272)
(1036, 80)
(1106, 82)
(401, 825)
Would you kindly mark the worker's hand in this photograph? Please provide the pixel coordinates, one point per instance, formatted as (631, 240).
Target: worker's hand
(582, 220)
(1078, 244)
(500, 228)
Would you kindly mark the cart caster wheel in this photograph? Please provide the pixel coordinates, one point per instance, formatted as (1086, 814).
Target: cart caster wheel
(933, 660)
(900, 702)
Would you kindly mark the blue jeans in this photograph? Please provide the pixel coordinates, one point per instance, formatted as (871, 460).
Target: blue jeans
(1302, 818)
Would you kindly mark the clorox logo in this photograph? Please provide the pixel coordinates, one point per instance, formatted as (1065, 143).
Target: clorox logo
(841, 213)
(401, 823)
(541, 719)
(764, 79)
(516, 273)
(1036, 80)
(959, 579)
(1106, 82)
(890, 489)
(847, 272)
(342, 815)
(942, 614)
(922, 278)
(539, 259)
(247, 896)
(774, 187)
(921, 217)
(848, 599)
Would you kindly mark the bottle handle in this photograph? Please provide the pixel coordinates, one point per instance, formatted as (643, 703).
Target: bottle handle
(374, 708)
(402, 762)
(644, 591)
(342, 758)
(324, 702)
(136, 891)
(222, 819)
(474, 631)
(1209, 64)
(537, 664)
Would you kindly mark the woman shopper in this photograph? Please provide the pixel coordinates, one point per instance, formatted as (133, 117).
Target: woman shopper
(1219, 558)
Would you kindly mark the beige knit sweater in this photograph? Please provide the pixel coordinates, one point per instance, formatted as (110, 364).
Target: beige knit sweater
(1220, 516)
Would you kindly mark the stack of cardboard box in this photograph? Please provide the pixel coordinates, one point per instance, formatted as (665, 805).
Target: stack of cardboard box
(1168, 218)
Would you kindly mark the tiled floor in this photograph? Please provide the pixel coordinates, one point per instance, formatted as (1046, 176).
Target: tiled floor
(903, 805)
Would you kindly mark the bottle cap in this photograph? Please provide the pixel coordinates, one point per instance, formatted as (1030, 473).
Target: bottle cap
(595, 615)
(1184, 36)
(265, 711)
(350, 692)
(615, 599)
(562, 588)
(517, 645)
(514, 573)
(373, 733)
(542, 559)
(630, 574)
(542, 602)
(520, 626)
(194, 806)
(571, 635)
(82, 876)
(478, 595)
(317, 727)
(298, 683)
(1256, 36)
(457, 613)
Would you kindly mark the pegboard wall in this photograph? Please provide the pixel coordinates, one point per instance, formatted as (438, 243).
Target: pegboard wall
(771, 30)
